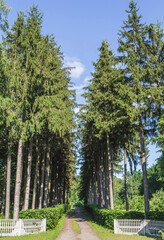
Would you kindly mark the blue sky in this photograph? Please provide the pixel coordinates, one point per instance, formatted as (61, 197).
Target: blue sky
(80, 26)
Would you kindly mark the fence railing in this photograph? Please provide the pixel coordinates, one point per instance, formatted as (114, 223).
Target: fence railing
(141, 227)
(21, 226)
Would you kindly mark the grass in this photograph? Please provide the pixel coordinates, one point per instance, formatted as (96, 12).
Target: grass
(75, 226)
(106, 234)
(49, 235)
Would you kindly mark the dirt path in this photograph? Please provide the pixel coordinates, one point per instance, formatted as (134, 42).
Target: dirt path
(69, 234)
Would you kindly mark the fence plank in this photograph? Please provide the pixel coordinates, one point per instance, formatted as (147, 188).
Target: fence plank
(21, 226)
(141, 227)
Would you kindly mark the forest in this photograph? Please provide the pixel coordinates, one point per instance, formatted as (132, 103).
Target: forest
(43, 140)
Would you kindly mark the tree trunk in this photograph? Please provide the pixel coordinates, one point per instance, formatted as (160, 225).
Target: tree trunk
(107, 204)
(126, 181)
(8, 182)
(28, 178)
(42, 180)
(110, 171)
(103, 159)
(99, 180)
(49, 184)
(4, 189)
(143, 161)
(36, 176)
(24, 173)
(56, 188)
(90, 193)
(47, 177)
(53, 200)
(94, 187)
(18, 178)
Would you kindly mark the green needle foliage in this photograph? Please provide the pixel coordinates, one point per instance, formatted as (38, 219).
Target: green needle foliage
(124, 106)
(38, 114)
(108, 97)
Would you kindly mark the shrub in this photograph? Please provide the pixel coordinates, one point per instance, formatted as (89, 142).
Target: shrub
(105, 217)
(162, 233)
(157, 201)
(137, 203)
(2, 216)
(52, 215)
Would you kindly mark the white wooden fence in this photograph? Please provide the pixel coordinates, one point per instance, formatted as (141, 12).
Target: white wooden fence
(141, 227)
(21, 226)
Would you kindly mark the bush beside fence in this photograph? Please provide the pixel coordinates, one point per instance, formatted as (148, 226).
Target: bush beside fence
(106, 217)
(52, 215)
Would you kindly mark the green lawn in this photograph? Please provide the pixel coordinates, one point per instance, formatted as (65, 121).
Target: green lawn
(49, 235)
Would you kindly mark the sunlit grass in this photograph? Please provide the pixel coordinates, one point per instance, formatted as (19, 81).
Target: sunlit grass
(75, 225)
(105, 234)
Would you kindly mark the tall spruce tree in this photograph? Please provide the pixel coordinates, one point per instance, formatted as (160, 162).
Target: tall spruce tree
(108, 101)
(4, 102)
(36, 103)
(132, 46)
(155, 66)
(21, 48)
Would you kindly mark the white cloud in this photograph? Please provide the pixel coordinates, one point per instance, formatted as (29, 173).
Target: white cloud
(79, 89)
(77, 67)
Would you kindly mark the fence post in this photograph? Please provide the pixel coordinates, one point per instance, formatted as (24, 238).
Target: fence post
(17, 228)
(115, 222)
(43, 226)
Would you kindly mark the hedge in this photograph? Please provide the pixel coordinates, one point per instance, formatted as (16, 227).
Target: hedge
(105, 217)
(52, 215)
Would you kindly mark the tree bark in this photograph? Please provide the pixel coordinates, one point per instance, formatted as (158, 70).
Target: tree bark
(42, 180)
(28, 178)
(110, 171)
(54, 185)
(18, 178)
(143, 161)
(106, 188)
(36, 177)
(8, 182)
(99, 180)
(49, 183)
(47, 173)
(126, 181)
(4, 189)
(90, 193)
(103, 159)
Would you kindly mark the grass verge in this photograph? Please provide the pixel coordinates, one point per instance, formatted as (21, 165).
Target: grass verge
(49, 235)
(106, 234)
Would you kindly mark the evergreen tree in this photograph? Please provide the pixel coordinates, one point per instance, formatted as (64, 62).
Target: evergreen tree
(109, 102)
(41, 99)
(134, 58)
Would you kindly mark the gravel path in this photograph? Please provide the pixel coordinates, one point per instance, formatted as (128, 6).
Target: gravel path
(69, 234)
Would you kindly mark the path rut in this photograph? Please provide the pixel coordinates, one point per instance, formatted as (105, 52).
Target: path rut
(69, 234)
